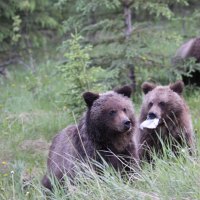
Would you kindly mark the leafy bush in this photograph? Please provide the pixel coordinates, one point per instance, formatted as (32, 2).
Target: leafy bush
(185, 67)
(80, 76)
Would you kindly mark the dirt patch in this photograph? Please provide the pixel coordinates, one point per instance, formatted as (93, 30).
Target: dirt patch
(39, 146)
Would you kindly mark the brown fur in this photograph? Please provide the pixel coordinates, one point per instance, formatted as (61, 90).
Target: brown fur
(190, 49)
(175, 123)
(103, 129)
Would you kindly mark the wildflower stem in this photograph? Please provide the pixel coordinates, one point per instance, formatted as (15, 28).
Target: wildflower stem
(13, 184)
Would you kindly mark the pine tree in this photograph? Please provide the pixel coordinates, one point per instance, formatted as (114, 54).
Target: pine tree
(24, 26)
(80, 75)
(122, 34)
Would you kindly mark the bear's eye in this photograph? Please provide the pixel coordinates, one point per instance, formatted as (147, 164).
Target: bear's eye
(161, 104)
(112, 112)
(150, 104)
(124, 109)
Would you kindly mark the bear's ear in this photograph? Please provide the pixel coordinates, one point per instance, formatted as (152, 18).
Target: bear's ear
(147, 87)
(125, 90)
(177, 87)
(90, 97)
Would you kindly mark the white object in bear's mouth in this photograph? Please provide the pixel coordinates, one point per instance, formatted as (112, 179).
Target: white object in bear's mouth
(149, 123)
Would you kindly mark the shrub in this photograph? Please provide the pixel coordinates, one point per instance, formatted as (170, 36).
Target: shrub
(80, 76)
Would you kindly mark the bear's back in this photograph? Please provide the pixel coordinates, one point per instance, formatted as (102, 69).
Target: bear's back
(195, 50)
(68, 147)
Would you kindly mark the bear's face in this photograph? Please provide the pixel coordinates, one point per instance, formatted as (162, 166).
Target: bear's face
(162, 102)
(115, 114)
(111, 113)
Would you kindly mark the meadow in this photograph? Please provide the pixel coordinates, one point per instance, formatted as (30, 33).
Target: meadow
(56, 50)
(31, 113)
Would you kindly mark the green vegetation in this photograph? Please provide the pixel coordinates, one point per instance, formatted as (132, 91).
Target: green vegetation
(45, 78)
(31, 114)
(80, 76)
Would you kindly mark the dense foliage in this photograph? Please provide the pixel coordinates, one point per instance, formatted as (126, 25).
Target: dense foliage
(25, 26)
(80, 76)
(123, 33)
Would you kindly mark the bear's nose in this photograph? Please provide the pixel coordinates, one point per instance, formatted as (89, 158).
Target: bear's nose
(127, 124)
(151, 116)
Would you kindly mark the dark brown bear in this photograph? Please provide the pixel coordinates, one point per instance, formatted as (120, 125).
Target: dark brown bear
(190, 49)
(174, 127)
(106, 129)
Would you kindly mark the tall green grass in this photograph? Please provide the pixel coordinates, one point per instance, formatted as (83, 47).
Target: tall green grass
(31, 108)
(176, 178)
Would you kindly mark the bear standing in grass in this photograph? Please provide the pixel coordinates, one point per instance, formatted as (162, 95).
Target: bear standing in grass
(105, 131)
(164, 117)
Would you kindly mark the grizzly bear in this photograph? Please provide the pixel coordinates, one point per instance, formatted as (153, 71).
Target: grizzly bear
(190, 49)
(166, 106)
(105, 131)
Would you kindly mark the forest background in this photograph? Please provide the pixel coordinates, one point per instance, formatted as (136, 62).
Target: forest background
(53, 50)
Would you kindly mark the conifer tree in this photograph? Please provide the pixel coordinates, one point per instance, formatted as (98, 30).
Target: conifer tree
(122, 34)
(24, 25)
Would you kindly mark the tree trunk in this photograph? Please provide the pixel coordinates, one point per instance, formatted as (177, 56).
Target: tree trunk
(128, 22)
(92, 21)
(127, 32)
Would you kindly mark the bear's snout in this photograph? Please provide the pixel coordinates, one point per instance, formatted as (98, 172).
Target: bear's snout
(151, 115)
(127, 124)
